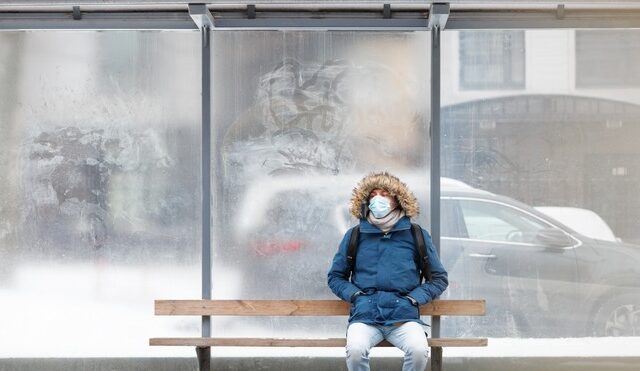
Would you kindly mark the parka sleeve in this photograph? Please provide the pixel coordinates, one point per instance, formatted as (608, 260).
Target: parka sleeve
(439, 278)
(338, 277)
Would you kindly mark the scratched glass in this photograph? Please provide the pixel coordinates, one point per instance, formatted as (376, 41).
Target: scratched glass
(99, 192)
(301, 117)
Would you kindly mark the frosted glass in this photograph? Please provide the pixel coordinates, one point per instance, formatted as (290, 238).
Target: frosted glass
(301, 117)
(99, 193)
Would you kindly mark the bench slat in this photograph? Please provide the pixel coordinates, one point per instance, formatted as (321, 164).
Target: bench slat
(458, 342)
(300, 308)
(248, 342)
(267, 342)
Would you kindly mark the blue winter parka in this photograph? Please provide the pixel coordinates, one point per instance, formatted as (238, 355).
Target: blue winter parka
(386, 271)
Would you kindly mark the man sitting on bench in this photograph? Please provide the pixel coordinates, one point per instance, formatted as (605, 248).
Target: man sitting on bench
(379, 268)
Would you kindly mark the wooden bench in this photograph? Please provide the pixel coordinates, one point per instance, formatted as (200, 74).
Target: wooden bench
(301, 308)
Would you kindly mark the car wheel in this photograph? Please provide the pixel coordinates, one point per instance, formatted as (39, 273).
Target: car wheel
(619, 316)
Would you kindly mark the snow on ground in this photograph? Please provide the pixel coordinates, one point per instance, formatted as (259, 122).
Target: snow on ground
(98, 310)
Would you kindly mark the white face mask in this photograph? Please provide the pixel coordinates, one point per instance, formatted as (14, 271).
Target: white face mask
(380, 206)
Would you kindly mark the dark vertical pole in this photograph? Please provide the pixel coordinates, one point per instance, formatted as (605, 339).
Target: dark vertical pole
(436, 354)
(436, 359)
(204, 358)
(204, 353)
(206, 175)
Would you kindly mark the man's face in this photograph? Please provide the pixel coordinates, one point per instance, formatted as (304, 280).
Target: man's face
(383, 193)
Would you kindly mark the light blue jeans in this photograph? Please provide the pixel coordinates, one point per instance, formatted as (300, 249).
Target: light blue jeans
(409, 337)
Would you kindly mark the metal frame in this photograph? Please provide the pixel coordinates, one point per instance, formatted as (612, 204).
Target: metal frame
(204, 21)
(360, 16)
(437, 21)
(201, 16)
(355, 15)
(10, 21)
(557, 18)
(330, 23)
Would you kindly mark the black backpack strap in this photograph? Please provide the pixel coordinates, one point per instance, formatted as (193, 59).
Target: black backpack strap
(353, 249)
(418, 238)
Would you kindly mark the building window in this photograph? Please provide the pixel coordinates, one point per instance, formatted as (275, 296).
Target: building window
(607, 58)
(492, 59)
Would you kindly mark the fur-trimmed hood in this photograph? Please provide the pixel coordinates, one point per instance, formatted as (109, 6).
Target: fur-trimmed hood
(392, 184)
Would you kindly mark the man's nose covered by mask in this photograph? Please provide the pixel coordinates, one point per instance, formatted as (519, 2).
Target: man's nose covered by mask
(380, 206)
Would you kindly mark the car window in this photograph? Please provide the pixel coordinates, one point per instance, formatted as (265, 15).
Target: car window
(452, 225)
(492, 221)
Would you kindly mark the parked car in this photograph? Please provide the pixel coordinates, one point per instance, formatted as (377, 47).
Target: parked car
(583, 221)
(540, 277)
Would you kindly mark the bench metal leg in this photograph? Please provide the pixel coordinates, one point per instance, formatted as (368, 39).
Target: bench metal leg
(204, 358)
(436, 359)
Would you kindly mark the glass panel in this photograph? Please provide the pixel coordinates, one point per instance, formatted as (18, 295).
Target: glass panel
(492, 59)
(99, 194)
(565, 157)
(490, 221)
(302, 116)
(607, 58)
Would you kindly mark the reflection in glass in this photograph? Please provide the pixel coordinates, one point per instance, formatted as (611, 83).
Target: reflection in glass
(302, 116)
(490, 221)
(565, 150)
(492, 59)
(607, 58)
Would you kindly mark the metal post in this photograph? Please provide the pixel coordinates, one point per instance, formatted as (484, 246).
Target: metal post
(204, 353)
(436, 358)
(204, 20)
(438, 16)
(204, 358)
(435, 151)
(437, 19)
(206, 175)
